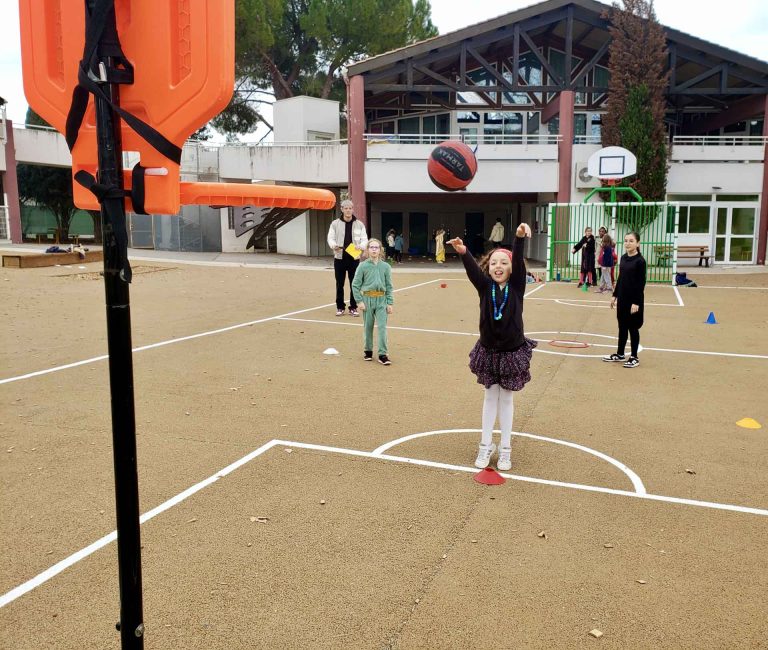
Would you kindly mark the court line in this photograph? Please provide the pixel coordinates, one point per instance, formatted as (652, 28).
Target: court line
(738, 355)
(633, 478)
(679, 298)
(188, 338)
(76, 557)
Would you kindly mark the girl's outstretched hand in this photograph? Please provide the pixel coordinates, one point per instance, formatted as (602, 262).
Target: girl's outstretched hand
(523, 230)
(458, 245)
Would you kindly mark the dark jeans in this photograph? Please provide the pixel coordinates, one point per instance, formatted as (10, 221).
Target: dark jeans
(343, 268)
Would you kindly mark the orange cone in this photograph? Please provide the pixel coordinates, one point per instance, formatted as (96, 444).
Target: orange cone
(489, 476)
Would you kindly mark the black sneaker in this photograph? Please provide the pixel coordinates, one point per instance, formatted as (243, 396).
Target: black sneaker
(633, 362)
(384, 360)
(367, 355)
(614, 357)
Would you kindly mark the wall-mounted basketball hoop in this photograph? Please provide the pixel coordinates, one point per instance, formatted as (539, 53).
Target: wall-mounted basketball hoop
(611, 165)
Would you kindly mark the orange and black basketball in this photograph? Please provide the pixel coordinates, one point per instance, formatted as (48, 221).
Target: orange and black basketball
(452, 166)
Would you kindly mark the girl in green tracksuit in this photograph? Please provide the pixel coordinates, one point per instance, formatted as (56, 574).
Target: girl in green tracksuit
(372, 289)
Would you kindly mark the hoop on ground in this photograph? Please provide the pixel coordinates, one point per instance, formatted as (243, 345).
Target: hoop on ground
(565, 343)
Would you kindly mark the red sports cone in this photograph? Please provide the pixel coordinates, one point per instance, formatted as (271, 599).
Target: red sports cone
(443, 285)
(489, 476)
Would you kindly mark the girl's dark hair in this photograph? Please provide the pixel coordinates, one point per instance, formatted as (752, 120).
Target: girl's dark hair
(635, 234)
(485, 261)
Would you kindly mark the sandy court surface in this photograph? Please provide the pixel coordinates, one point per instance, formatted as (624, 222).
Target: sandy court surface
(400, 555)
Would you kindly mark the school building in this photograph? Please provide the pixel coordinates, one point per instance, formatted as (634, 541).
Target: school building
(527, 89)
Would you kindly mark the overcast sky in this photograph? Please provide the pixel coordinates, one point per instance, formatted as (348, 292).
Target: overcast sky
(741, 25)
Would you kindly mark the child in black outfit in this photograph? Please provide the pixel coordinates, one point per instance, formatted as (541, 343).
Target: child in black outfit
(628, 298)
(587, 242)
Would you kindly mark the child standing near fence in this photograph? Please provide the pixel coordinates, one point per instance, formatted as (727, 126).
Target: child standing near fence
(605, 259)
(629, 299)
(501, 359)
(372, 289)
(587, 243)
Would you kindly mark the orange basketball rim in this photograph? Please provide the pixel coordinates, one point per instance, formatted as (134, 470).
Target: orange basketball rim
(182, 52)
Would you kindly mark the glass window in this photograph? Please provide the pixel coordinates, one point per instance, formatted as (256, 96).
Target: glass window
(444, 123)
(741, 249)
(756, 127)
(468, 117)
(698, 219)
(409, 125)
(739, 127)
(601, 77)
(752, 198)
(689, 197)
(722, 220)
(743, 221)
(720, 249)
(429, 124)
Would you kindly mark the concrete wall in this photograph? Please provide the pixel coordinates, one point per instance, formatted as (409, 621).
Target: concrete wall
(702, 177)
(41, 147)
(293, 237)
(322, 164)
(296, 118)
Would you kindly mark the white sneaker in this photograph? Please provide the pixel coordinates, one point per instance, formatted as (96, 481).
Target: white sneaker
(484, 453)
(505, 459)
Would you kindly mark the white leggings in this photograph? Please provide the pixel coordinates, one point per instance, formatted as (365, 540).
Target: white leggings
(498, 401)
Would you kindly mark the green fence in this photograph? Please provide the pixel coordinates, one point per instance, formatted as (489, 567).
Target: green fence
(655, 222)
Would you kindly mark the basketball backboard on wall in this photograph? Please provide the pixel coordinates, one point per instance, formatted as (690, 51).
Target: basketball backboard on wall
(612, 163)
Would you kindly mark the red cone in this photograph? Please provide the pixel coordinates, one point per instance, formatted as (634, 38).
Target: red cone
(489, 476)
(443, 285)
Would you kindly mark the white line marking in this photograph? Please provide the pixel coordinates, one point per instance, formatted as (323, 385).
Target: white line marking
(634, 478)
(677, 293)
(532, 291)
(57, 568)
(740, 288)
(189, 338)
(531, 335)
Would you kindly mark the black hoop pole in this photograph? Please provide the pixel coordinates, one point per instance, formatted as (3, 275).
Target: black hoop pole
(110, 173)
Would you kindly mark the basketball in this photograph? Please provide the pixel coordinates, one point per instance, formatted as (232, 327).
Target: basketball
(452, 166)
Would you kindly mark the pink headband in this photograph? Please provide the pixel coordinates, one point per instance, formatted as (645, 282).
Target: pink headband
(503, 250)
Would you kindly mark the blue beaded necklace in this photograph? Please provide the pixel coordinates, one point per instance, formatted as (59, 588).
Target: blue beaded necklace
(497, 311)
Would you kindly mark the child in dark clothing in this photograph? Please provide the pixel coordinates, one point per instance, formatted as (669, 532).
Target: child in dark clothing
(605, 260)
(628, 298)
(501, 359)
(587, 242)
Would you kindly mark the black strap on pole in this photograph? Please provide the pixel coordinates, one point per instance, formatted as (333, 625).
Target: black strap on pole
(105, 67)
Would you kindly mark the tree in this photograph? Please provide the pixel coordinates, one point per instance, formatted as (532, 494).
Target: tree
(47, 187)
(636, 93)
(286, 48)
(51, 188)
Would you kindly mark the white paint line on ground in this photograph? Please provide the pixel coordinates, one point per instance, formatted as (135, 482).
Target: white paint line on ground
(634, 478)
(738, 288)
(191, 337)
(57, 568)
(679, 299)
(738, 355)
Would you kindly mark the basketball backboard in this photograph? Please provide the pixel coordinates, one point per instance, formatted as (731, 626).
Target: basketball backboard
(612, 163)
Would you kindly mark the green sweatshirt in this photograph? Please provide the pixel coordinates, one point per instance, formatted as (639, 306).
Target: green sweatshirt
(372, 276)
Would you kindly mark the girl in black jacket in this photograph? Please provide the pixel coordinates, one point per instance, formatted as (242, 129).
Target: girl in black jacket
(629, 300)
(587, 242)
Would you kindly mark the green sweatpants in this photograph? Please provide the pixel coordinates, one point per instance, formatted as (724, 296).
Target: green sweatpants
(375, 311)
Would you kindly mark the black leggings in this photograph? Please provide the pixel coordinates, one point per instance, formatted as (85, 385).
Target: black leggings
(634, 335)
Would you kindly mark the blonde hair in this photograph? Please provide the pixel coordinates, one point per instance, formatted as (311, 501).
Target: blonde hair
(347, 203)
(368, 245)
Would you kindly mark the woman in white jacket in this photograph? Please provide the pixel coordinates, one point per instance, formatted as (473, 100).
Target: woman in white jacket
(344, 231)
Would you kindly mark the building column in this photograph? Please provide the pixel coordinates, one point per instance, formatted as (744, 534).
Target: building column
(357, 150)
(565, 146)
(11, 186)
(762, 232)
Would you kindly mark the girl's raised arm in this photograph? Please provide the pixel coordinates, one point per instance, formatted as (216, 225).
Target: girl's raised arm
(474, 272)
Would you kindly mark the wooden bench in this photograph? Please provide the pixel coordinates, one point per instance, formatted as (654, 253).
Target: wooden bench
(665, 252)
(37, 260)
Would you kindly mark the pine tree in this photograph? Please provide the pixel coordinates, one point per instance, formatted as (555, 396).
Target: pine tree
(636, 93)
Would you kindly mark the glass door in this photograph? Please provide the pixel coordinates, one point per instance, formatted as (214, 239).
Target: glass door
(735, 234)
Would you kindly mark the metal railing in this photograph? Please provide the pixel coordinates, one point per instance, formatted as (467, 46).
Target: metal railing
(720, 140)
(587, 139)
(470, 139)
(297, 143)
